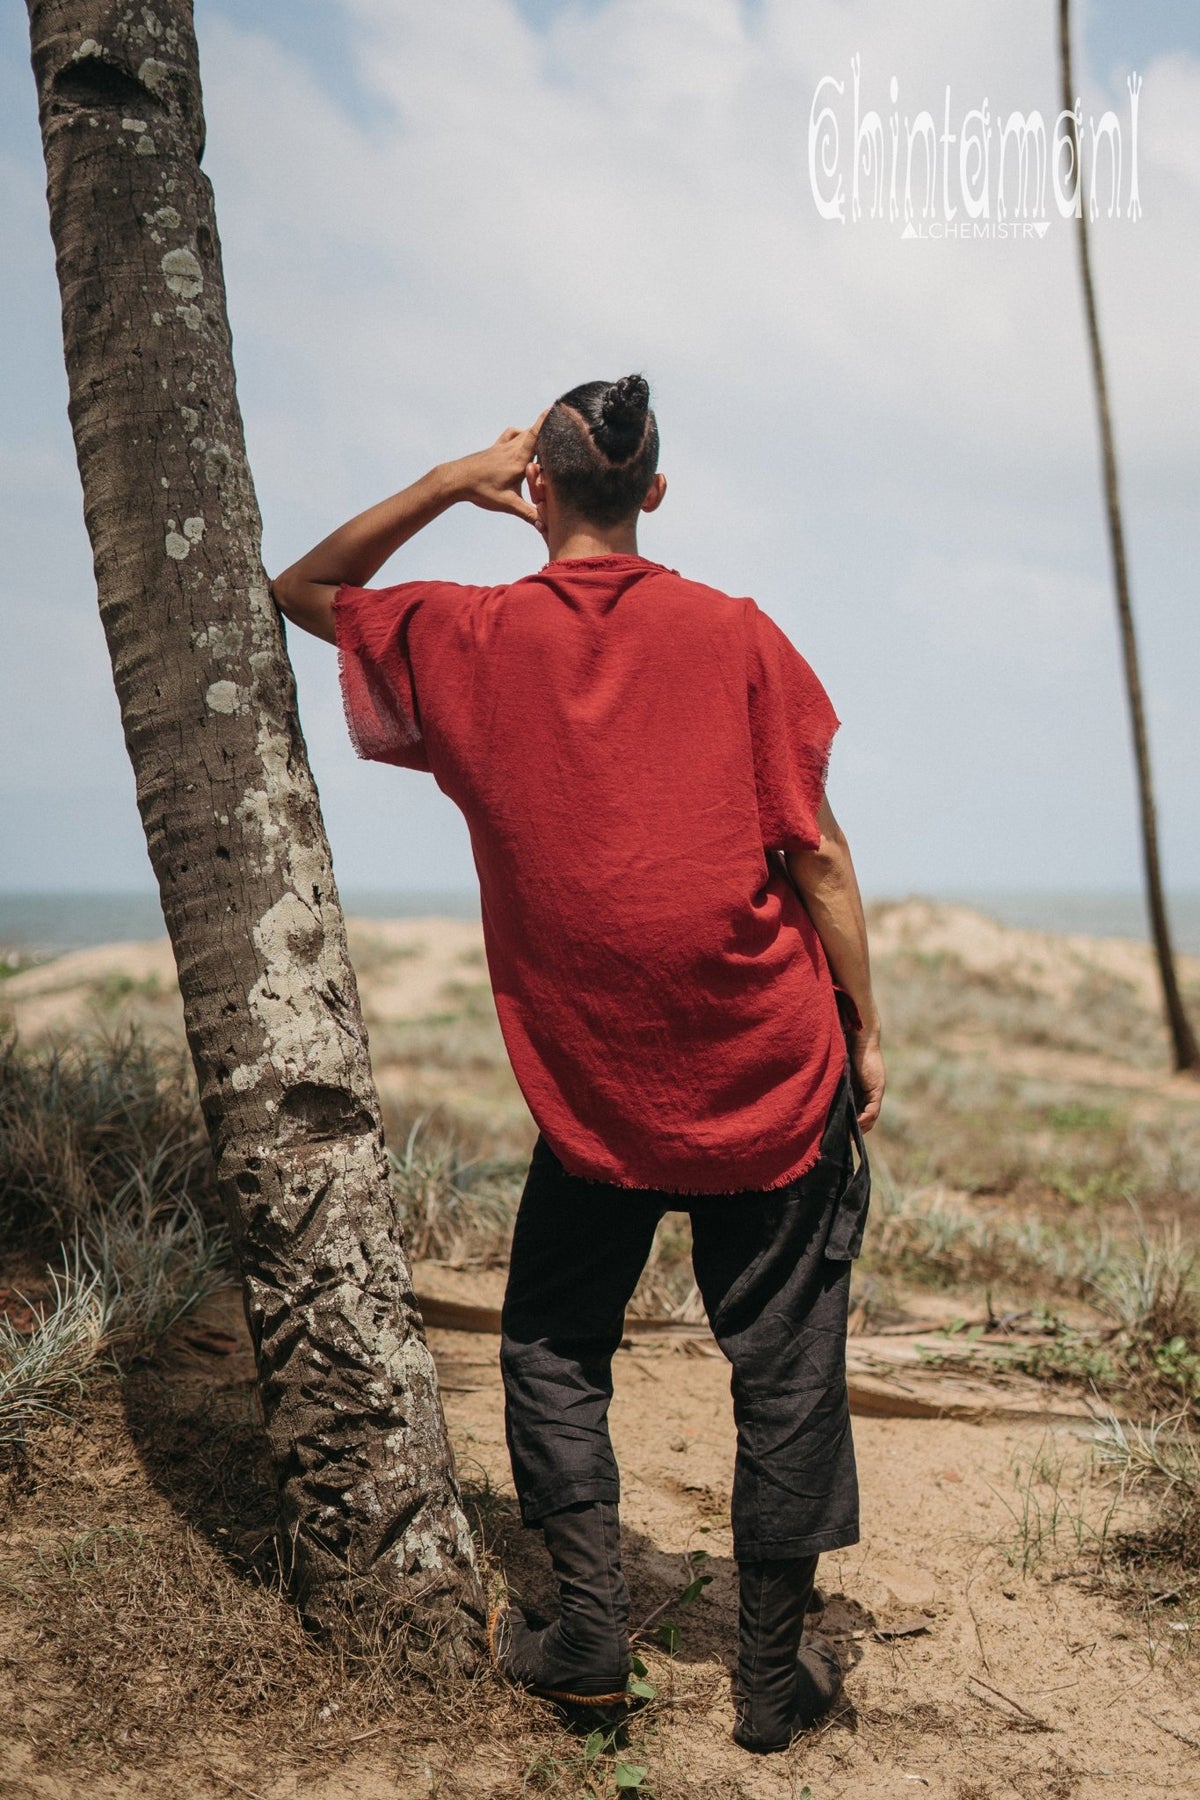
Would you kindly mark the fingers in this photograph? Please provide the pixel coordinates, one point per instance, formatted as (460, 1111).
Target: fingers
(520, 509)
(869, 1081)
(522, 431)
(512, 432)
(872, 1101)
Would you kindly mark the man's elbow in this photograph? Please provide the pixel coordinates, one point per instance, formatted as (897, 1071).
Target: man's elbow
(283, 594)
(824, 866)
(305, 604)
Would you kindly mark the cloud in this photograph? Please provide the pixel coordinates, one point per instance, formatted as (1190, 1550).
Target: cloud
(632, 186)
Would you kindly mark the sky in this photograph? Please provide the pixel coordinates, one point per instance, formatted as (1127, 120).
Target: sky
(436, 218)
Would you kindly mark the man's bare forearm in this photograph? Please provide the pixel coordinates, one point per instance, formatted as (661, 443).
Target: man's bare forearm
(828, 885)
(358, 549)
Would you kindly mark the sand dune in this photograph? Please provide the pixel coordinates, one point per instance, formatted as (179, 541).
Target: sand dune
(411, 968)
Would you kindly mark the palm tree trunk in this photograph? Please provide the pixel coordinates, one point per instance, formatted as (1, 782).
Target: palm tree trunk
(1183, 1041)
(369, 1502)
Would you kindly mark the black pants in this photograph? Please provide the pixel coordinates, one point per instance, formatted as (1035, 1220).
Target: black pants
(774, 1272)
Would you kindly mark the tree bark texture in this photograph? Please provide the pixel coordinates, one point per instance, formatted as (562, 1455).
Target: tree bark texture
(369, 1501)
(1183, 1039)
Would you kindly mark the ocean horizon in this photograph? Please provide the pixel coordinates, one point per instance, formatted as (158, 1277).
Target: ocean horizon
(53, 923)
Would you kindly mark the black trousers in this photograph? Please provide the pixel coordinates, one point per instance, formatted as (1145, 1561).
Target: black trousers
(773, 1269)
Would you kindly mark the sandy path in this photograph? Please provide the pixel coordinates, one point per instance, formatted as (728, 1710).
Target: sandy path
(1015, 1686)
(936, 1528)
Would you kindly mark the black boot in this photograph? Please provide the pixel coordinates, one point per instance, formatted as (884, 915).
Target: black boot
(582, 1660)
(780, 1688)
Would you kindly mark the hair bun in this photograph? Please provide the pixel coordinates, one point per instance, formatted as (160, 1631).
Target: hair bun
(626, 400)
(623, 412)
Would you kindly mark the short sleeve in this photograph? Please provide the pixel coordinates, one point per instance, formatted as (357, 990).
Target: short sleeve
(379, 690)
(792, 724)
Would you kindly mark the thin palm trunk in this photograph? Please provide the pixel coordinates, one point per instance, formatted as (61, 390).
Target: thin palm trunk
(370, 1507)
(1183, 1040)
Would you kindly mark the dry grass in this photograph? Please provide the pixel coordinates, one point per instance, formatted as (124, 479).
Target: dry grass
(929, 997)
(154, 1590)
(1160, 1560)
(985, 1180)
(89, 1126)
(1141, 1289)
(1121, 1518)
(40, 1371)
(140, 1566)
(963, 1110)
(105, 1171)
(140, 1560)
(965, 1122)
(457, 1203)
(142, 1574)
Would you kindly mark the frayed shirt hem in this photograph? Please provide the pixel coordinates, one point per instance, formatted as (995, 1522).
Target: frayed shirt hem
(630, 1184)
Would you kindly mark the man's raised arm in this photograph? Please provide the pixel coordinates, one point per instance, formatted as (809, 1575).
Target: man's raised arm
(353, 553)
(827, 884)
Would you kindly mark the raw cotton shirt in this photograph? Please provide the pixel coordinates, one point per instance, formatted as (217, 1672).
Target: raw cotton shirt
(630, 751)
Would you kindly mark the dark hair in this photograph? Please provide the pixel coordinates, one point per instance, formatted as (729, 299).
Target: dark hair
(599, 447)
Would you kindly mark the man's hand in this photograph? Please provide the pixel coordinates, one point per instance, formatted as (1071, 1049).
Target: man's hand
(493, 478)
(867, 1075)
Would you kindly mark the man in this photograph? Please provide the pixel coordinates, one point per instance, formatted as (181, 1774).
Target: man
(667, 903)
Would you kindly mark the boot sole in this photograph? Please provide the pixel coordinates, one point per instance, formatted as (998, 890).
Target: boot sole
(612, 1705)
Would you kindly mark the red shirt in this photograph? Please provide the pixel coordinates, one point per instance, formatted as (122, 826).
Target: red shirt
(626, 747)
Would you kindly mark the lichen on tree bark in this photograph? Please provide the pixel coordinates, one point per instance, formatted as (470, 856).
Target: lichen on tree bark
(369, 1501)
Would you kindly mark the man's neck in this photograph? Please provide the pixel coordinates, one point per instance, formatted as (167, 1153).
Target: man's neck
(576, 539)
